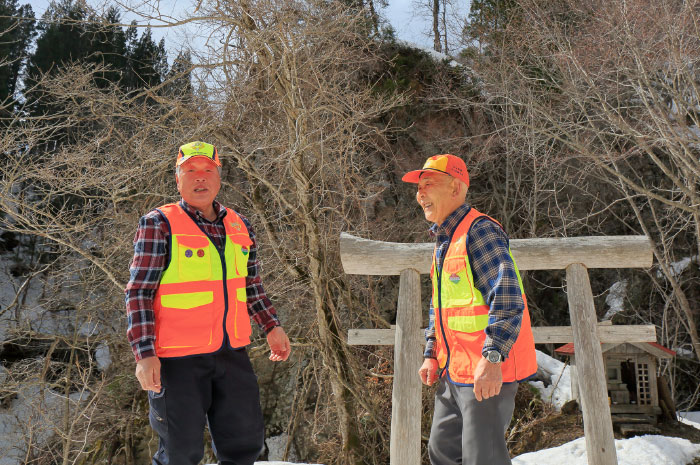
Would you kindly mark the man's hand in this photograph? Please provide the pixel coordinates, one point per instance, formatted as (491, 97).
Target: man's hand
(148, 373)
(488, 379)
(279, 344)
(428, 371)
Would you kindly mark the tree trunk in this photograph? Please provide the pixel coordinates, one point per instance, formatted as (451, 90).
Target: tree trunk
(436, 26)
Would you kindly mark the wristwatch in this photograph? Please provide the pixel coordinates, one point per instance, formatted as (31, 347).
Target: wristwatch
(493, 356)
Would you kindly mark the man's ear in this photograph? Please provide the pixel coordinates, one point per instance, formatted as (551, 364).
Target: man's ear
(456, 187)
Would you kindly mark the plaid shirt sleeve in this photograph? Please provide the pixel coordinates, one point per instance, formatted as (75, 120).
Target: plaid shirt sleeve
(496, 279)
(147, 266)
(260, 308)
(429, 351)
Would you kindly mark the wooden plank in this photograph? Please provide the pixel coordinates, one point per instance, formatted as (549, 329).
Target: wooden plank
(634, 408)
(404, 448)
(597, 425)
(633, 418)
(627, 429)
(573, 373)
(543, 335)
(615, 334)
(367, 257)
(373, 337)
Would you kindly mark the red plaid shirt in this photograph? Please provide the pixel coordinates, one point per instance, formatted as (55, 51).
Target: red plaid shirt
(151, 252)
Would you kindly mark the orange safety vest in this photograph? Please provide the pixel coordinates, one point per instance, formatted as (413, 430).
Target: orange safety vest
(201, 298)
(461, 316)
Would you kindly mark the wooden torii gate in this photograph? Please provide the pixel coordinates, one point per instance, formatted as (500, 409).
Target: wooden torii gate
(575, 255)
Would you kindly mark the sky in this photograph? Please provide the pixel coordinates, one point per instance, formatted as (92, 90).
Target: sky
(410, 25)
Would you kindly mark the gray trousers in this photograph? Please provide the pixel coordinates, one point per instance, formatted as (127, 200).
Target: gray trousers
(468, 432)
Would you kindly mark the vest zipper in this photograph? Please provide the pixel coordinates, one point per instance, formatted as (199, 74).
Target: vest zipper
(442, 326)
(222, 257)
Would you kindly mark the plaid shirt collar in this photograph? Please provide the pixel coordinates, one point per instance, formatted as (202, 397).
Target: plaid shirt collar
(444, 231)
(220, 211)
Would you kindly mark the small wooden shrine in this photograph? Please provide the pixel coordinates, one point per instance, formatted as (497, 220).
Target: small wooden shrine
(630, 373)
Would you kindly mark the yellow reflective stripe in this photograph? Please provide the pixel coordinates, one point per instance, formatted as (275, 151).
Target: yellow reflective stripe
(241, 294)
(468, 324)
(189, 300)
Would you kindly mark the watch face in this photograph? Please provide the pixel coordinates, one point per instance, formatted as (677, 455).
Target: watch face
(493, 356)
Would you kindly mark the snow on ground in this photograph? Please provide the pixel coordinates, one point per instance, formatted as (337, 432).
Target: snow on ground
(639, 450)
(278, 463)
(35, 413)
(437, 56)
(557, 388)
(690, 418)
(679, 266)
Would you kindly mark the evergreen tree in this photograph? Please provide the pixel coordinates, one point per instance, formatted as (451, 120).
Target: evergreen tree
(15, 39)
(147, 61)
(180, 77)
(62, 39)
(108, 46)
(488, 19)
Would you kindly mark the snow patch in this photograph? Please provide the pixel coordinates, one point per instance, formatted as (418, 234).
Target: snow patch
(36, 413)
(616, 299)
(555, 380)
(437, 56)
(679, 266)
(103, 357)
(276, 446)
(690, 418)
(640, 450)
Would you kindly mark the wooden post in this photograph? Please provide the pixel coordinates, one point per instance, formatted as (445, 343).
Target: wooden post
(406, 394)
(597, 423)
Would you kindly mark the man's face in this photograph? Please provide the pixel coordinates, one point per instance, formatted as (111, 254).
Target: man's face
(436, 196)
(199, 182)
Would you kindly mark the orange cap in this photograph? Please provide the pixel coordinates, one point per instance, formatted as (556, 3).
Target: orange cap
(197, 149)
(447, 164)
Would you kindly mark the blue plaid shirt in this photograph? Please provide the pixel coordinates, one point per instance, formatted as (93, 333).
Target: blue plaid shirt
(494, 276)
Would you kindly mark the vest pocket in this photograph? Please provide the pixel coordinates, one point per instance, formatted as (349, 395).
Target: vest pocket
(238, 320)
(465, 353)
(241, 249)
(456, 285)
(185, 320)
(194, 258)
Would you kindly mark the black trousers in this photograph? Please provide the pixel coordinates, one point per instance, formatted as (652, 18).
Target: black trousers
(219, 389)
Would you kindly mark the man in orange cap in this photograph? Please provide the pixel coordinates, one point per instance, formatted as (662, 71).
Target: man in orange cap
(479, 340)
(195, 285)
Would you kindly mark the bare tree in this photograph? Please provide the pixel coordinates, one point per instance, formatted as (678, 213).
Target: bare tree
(611, 89)
(290, 101)
(299, 115)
